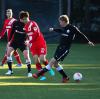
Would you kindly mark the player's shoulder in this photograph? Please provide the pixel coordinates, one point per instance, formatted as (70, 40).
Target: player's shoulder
(16, 22)
(73, 26)
(34, 22)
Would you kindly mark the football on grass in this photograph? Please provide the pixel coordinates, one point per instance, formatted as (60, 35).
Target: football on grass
(77, 76)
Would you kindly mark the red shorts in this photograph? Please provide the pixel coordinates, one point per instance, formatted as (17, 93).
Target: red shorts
(39, 50)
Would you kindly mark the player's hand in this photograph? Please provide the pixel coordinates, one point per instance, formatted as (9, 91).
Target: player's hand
(8, 43)
(51, 29)
(90, 43)
(27, 43)
(0, 37)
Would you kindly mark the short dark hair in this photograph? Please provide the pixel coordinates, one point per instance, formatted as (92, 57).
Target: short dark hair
(23, 14)
(64, 18)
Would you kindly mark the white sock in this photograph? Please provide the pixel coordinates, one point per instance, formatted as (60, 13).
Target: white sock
(48, 67)
(59, 68)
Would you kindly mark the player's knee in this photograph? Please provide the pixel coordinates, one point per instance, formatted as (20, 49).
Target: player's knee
(42, 58)
(53, 61)
(28, 61)
(26, 54)
(36, 59)
(16, 53)
(9, 59)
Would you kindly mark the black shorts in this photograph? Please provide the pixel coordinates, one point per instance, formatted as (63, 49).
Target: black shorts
(61, 53)
(16, 45)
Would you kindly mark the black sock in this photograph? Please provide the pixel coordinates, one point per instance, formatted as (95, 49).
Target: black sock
(9, 65)
(44, 70)
(63, 73)
(29, 68)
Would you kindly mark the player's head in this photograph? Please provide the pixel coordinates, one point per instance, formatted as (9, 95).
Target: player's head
(63, 20)
(9, 13)
(24, 16)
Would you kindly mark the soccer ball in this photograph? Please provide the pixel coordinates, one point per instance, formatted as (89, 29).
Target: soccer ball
(77, 76)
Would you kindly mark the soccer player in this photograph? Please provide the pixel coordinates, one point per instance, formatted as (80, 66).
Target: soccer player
(67, 33)
(7, 28)
(37, 43)
(17, 40)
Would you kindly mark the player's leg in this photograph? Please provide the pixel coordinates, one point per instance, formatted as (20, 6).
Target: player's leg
(5, 56)
(17, 57)
(44, 70)
(60, 69)
(45, 62)
(37, 62)
(28, 62)
(9, 60)
(38, 65)
(4, 59)
(59, 55)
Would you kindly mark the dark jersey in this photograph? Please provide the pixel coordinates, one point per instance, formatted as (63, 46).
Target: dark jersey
(67, 34)
(18, 34)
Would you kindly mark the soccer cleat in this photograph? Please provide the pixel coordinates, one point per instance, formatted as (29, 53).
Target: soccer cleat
(9, 73)
(51, 72)
(65, 80)
(29, 75)
(18, 65)
(35, 76)
(43, 78)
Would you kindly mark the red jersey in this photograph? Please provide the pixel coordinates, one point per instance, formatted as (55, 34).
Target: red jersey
(7, 27)
(35, 36)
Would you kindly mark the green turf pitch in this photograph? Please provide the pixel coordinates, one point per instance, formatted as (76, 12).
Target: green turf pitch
(82, 58)
(19, 86)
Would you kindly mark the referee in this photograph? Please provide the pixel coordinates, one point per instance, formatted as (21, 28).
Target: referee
(67, 33)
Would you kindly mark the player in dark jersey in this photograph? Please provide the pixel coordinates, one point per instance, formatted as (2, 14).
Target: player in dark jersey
(17, 40)
(67, 33)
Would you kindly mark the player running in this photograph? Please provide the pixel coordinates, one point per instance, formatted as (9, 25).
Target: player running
(7, 28)
(67, 33)
(37, 43)
(17, 40)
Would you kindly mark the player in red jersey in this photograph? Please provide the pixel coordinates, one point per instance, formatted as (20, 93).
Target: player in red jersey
(36, 42)
(7, 28)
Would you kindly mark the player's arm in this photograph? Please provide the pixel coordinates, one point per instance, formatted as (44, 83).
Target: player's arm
(36, 32)
(89, 42)
(58, 30)
(27, 43)
(12, 31)
(3, 30)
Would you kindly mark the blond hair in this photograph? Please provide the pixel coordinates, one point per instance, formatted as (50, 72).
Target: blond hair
(9, 10)
(64, 18)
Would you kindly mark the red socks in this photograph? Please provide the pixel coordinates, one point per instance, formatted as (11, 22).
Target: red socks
(16, 55)
(4, 59)
(38, 66)
(45, 62)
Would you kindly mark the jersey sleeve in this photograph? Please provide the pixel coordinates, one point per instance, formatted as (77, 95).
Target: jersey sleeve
(13, 30)
(3, 30)
(36, 32)
(77, 31)
(58, 30)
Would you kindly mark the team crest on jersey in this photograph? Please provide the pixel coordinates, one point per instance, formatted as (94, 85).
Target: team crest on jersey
(35, 28)
(68, 31)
